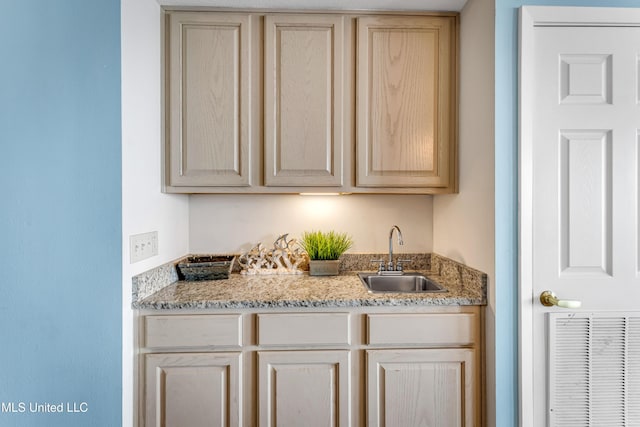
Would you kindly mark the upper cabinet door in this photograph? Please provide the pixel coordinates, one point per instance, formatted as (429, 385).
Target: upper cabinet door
(406, 102)
(304, 100)
(209, 104)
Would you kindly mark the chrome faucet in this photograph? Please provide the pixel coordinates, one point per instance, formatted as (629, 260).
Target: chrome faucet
(400, 242)
(390, 269)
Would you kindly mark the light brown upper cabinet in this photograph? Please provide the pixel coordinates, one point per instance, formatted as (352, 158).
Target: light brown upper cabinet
(210, 123)
(310, 102)
(303, 107)
(406, 102)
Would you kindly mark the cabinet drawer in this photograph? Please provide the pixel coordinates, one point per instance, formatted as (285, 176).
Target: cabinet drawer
(303, 329)
(423, 329)
(193, 331)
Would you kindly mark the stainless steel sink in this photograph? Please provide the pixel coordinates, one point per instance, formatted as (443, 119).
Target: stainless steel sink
(407, 282)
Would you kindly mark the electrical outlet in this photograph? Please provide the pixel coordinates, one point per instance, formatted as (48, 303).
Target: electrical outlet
(143, 246)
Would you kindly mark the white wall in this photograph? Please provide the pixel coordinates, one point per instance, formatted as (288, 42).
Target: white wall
(464, 223)
(234, 223)
(144, 207)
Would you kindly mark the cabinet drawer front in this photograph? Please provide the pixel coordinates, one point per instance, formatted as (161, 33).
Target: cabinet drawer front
(193, 331)
(423, 329)
(304, 329)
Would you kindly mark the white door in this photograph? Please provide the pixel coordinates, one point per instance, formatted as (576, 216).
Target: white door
(580, 138)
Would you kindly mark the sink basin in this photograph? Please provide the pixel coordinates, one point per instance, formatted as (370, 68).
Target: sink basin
(408, 282)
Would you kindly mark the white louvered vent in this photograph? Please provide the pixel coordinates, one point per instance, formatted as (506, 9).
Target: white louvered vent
(594, 369)
(633, 382)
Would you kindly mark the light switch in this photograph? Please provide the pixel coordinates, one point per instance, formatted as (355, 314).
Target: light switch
(143, 246)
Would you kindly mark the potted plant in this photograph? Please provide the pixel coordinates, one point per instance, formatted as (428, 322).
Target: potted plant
(324, 249)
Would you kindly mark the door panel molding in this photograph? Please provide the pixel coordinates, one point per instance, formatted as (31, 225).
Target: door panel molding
(586, 176)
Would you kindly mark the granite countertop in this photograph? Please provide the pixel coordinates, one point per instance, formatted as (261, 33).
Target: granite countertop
(464, 287)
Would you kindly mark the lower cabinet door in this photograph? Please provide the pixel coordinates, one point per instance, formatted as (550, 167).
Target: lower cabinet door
(430, 387)
(193, 389)
(304, 388)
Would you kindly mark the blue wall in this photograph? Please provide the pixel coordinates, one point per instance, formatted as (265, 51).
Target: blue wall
(506, 78)
(60, 213)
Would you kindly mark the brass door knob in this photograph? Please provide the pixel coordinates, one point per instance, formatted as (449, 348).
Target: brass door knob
(549, 299)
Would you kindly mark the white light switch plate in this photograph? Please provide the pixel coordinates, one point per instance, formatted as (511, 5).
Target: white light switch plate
(143, 246)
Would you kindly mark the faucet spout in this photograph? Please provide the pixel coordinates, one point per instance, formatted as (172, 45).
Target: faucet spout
(400, 242)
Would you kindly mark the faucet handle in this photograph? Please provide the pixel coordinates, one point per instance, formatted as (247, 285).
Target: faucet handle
(399, 263)
(380, 264)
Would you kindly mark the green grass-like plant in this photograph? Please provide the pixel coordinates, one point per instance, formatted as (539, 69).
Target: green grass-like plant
(325, 246)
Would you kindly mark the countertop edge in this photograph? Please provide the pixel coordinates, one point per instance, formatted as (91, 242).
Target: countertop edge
(391, 302)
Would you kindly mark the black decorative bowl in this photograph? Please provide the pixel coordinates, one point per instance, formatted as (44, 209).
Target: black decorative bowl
(206, 267)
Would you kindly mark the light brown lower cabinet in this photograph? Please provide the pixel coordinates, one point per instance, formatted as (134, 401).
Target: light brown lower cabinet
(193, 389)
(377, 366)
(425, 387)
(313, 386)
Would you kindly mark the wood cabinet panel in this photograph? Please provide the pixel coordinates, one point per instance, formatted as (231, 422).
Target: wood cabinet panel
(374, 366)
(303, 100)
(222, 330)
(422, 329)
(265, 102)
(421, 388)
(209, 122)
(310, 388)
(303, 329)
(405, 110)
(193, 389)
